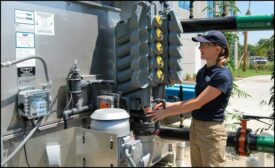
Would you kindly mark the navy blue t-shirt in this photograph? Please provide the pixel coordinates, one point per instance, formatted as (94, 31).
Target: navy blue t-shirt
(219, 78)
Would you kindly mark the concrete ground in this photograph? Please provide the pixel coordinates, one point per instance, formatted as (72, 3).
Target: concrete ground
(259, 89)
(233, 160)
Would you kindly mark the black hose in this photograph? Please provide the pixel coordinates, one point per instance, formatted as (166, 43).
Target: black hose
(171, 133)
(231, 139)
(204, 24)
(65, 122)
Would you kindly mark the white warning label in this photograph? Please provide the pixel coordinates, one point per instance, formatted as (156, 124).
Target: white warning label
(44, 23)
(24, 40)
(25, 52)
(22, 16)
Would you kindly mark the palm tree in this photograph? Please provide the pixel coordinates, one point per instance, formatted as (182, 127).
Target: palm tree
(269, 45)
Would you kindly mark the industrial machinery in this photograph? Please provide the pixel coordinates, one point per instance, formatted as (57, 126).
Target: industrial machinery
(104, 63)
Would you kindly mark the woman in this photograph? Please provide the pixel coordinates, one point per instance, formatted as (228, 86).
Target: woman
(213, 87)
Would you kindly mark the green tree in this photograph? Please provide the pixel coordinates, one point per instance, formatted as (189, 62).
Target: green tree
(224, 8)
(240, 49)
(266, 46)
(230, 36)
(252, 50)
(271, 100)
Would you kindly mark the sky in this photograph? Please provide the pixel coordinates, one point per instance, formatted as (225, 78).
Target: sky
(256, 8)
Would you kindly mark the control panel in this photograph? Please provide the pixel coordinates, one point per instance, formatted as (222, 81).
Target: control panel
(33, 103)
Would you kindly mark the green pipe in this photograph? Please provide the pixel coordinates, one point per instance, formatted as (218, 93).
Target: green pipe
(264, 22)
(256, 143)
(230, 23)
(265, 144)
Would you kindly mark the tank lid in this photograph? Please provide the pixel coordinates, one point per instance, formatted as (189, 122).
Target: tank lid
(110, 114)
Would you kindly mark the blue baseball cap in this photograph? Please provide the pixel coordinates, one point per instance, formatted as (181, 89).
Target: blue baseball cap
(212, 36)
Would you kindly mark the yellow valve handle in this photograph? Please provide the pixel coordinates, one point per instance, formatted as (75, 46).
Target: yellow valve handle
(160, 61)
(158, 20)
(160, 75)
(159, 48)
(159, 34)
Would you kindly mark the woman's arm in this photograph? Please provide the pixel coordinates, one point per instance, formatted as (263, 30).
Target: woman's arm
(206, 96)
(168, 104)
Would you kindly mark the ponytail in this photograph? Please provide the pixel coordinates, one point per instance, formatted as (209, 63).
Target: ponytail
(223, 57)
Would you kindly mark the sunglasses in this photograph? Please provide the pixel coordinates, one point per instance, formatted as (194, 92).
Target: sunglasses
(204, 45)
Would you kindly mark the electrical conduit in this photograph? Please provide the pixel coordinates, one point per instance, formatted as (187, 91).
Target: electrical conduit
(17, 149)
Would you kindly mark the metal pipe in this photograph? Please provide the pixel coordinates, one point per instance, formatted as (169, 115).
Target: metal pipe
(148, 147)
(180, 154)
(99, 6)
(73, 111)
(84, 84)
(139, 50)
(232, 23)
(2, 148)
(255, 143)
(123, 50)
(122, 34)
(74, 83)
(139, 63)
(138, 80)
(231, 139)
(129, 158)
(139, 35)
(9, 63)
(68, 113)
(124, 62)
(265, 144)
(126, 87)
(125, 75)
(123, 39)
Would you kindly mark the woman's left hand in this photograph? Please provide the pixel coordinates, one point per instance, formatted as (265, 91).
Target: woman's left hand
(157, 115)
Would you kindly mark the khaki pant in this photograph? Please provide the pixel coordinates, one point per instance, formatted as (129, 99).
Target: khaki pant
(207, 143)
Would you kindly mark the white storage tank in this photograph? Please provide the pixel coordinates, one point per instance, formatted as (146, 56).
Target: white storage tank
(111, 120)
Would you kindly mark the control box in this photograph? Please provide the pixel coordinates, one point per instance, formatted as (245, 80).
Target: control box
(33, 103)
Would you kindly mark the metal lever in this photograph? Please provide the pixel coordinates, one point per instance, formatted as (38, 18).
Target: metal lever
(158, 100)
(163, 101)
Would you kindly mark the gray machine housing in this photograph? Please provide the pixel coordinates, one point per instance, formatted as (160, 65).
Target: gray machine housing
(84, 31)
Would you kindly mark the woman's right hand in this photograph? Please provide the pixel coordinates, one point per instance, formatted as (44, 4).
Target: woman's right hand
(160, 105)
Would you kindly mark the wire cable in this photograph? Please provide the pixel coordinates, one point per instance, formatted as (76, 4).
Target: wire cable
(33, 125)
(23, 142)
(71, 96)
(68, 89)
(25, 151)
